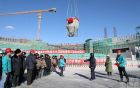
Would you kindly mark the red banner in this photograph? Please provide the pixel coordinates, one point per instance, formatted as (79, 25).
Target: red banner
(58, 51)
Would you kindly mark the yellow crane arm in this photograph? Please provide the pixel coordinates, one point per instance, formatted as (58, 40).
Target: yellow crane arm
(29, 12)
(39, 12)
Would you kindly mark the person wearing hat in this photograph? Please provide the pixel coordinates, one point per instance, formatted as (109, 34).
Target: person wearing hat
(31, 67)
(54, 63)
(47, 69)
(23, 66)
(121, 66)
(38, 65)
(6, 69)
(108, 65)
(42, 66)
(17, 67)
(0, 64)
(61, 64)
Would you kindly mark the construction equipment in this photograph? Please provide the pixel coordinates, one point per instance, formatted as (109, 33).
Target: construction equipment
(72, 18)
(39, 12)
(72, 26)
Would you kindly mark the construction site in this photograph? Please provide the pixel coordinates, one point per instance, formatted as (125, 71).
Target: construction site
(128, 44)
(98, 41)
(76, 53)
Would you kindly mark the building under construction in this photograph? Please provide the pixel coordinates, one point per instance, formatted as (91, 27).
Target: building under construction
(128, 44)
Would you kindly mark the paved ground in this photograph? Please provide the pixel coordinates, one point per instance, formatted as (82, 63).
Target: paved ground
(79, 78)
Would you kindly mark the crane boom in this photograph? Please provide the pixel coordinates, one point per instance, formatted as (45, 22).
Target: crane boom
(29, 12)
(39, 12)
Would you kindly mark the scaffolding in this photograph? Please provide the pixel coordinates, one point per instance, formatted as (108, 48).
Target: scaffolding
(107, 45)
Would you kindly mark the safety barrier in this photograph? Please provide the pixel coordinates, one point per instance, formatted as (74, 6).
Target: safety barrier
(99, 63)
(81, 62)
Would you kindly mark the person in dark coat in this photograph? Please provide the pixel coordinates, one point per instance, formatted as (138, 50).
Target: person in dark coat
(47, 69)
(23, 67)
(37, 65)
(31, 66)
(17, 65)
(0, 64)
(92, 65)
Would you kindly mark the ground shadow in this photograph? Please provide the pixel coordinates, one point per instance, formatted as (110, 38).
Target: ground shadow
(100, 73)
(81, 75)
(132, 76)
(106, 77)
(58, 73)
(100, 76)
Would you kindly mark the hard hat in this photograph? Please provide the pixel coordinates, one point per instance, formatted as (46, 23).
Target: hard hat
(70, 20)
(118, 51)
(8, 50)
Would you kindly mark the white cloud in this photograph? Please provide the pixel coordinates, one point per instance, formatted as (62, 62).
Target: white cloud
(9, 27)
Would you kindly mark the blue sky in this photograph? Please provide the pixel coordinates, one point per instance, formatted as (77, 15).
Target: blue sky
(94, 16)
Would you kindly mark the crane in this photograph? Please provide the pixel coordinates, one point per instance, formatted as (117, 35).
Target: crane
(39, 14)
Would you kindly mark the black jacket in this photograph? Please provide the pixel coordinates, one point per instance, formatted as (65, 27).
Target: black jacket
(16, 65)
(48, 63)
(92, 61)
(23, 63)
(31, 62)
(0, 66)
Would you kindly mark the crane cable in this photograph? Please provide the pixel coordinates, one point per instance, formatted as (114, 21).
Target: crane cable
(68, 8)
(75, 8)
(72, 9)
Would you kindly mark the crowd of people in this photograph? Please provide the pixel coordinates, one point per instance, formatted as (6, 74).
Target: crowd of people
(14, 64)
(120, 63)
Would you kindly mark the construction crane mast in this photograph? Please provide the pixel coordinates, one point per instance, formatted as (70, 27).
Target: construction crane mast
(39, 14)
